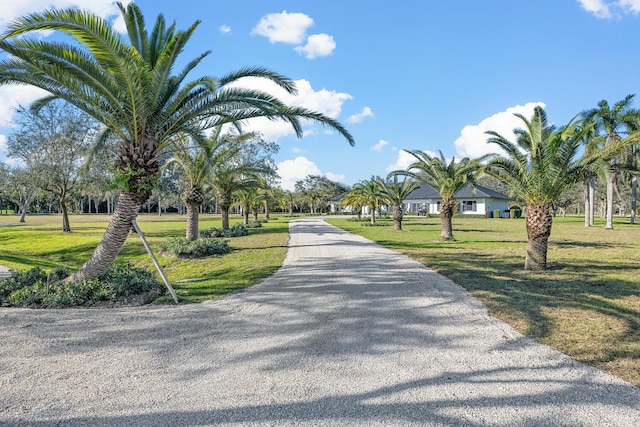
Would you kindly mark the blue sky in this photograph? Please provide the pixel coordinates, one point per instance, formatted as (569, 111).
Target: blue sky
(400, 75)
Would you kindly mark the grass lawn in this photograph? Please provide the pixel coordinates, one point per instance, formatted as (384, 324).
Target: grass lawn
(587, 304)
(40, 242)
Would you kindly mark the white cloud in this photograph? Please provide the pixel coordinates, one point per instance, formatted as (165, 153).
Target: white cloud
(607, 9)
(283, 27)
(3, 145)
(404, 160)
(632, 6)
(473, 140)
(318, 45)
(324, 101)
(224, 29)
(338, 177)
(358, 117)
(10, 10)
(380, 145)
(297, 169)
(12, 96)
(598, 7)
(297, 150)
(294, 170)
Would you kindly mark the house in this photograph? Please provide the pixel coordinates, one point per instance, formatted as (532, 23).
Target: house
(482, 201)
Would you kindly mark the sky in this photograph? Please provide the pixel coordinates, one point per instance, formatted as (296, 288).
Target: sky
(408, 74)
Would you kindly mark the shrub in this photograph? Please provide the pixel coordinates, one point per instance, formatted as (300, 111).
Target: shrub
(184, 248)
(236, 230)
(255, 224)
(119, 282)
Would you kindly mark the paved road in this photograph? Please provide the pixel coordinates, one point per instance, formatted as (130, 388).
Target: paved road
(345, 333)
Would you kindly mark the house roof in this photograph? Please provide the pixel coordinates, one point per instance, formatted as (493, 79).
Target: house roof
(427, 192)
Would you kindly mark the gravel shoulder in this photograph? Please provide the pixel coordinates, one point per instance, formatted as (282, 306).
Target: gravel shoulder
(345, 333)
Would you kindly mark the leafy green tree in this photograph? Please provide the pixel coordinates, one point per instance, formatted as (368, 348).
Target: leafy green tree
(18, 186)
(449, 178)
(538, 168)
(393, 193)
(53, 142)
(316, 190)
(129, 86)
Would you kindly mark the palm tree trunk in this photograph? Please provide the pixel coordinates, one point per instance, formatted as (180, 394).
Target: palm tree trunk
(539, 221)
(397, 217)
(634, 191)
(125, 211)
(245, 214)
(193, 210)
(372, 211)
(592, 203)
(609, 225)
(587, 212)
(446, 214)
(267, 214)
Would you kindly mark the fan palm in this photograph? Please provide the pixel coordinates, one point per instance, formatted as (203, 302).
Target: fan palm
(539, 166)
(448, 177)
(129, 86)
(394, 193)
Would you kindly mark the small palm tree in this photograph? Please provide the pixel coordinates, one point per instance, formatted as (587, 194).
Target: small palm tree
(394, 193)
(449, 178)
(366, 193)
(197, 163)
(130, 87)
(539, 166)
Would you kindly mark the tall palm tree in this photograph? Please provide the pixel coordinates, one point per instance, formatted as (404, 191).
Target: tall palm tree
(449, 178)
(539, 166)
(129, 86)
(611, 122)
(394, 193)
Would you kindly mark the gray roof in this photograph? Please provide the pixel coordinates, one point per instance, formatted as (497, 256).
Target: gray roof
(427, 192)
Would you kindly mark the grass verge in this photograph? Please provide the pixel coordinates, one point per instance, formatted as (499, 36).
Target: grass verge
(40, 243)
(587, 304)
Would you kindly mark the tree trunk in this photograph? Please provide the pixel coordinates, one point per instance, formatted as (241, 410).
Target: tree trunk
(245, 214)
(634, 191)
(267, 214)
(539, 221)
(446, 214)
(125, 211)
(255, 214)
(609, 225)
(587, 204)
(592, 201)
(66, 227)
(372, 212)
(397, 217)
(25, 207)
(192, 220)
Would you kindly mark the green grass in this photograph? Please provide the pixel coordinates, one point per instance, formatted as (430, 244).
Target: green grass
(587, 304)
(39, 242)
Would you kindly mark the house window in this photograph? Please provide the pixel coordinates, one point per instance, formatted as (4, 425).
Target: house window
(469, 206)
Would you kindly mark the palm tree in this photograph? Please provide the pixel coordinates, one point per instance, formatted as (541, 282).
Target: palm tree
(612, 125)
(197, 163)
(394, 193)
(366, 193)
(539, 166)
(449, 178)
(129, 87)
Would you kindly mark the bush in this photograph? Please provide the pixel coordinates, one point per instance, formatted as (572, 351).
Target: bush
(200, 248)
(255, 224)
(35, 291)
(236, 230)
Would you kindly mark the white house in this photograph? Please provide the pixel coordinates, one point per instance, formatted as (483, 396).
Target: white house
(482, 201)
